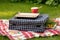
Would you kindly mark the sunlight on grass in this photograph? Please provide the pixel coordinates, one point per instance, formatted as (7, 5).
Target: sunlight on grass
(47, 38)
(8, 9)
(6, 15)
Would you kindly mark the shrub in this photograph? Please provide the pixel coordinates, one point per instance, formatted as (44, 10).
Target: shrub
(48, 2)
(52, 2)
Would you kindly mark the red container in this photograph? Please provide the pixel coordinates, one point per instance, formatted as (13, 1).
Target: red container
(34, 9)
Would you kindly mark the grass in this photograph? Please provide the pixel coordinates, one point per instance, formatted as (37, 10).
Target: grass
(47, 38)
(8, 10)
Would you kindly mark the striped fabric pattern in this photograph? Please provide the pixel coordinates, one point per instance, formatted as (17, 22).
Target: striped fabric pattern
(21, 35)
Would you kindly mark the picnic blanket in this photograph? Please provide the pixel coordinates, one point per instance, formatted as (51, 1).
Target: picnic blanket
(23, 35)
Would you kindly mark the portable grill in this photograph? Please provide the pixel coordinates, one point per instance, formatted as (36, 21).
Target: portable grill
(28, 24)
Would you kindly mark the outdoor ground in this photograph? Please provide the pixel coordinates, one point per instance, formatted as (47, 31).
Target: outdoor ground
(8, 10)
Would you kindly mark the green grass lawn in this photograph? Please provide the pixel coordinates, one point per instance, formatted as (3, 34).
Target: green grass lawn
(8, 10)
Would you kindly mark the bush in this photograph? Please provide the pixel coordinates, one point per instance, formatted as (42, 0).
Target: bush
(13, 0)
(48, 2)
(52, 2)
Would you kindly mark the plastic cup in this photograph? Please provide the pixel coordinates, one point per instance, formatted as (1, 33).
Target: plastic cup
(34, 9)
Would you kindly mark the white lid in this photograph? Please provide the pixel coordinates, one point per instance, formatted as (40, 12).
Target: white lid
(34, 8)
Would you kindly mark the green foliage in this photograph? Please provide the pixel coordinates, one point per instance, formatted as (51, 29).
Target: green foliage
(49, 22)
(39, 1)
(48, 2)
(52, 2)
(33, 1)
(13, 0)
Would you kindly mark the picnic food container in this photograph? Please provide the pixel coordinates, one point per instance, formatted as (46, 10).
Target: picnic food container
(35, 24)
(28, 28)
(34, 9)
(26, 15)
(41, 19)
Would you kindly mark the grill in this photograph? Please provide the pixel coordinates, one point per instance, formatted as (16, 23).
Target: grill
(25, 24)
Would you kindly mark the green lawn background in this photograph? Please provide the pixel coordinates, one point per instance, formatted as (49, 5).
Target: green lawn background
(8, 10)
